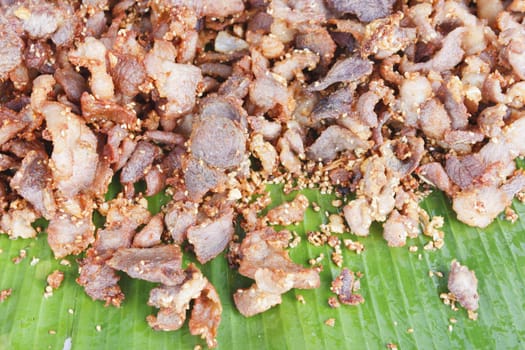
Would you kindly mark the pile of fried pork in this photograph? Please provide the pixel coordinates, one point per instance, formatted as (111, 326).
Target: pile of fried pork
(213, 100)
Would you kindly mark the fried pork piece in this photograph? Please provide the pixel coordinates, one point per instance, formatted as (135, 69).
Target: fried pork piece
(289, 213)
(318, 40)
(74, 158)
(333, 140)
(293, 66)
(174, 81)
(218, 141)
(95, 110)
(267, 91)
(512, 38)
(479, 203)
(212, 236)
(11, 47)
(206, 315)
(179, 217)
(253, 301)
(450, 54)
(122, 220)
(200, 178)
(397, 228)
(16, 222)
(100, 281)
(302, 13)
(12, 123)
(347, 70)
(366, 11)
(72, 82)
(345, 285)
(158, 264)
(139, 162)
(128, 74)
(434, 174)
(463, 171)
(71, 230)
(167, 319)
(358, 216)
(174, 301)
(223, 8)
(92, 55)
(265, 152)
(151, 234)
(264, 259)
(385, 37)
(334, 105)
(463, 284)
(33, 182)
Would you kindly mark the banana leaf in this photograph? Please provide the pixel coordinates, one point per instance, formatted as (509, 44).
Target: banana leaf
(402, 304)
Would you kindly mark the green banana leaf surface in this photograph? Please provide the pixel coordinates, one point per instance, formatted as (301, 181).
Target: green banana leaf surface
(402, 304)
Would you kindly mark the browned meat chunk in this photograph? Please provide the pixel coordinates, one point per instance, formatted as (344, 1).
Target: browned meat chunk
(139, 162)
(463, 171)
(218, 141)
(366, 11)
(122, 219)
(397, 228)
(128, 74)
(358, 216)
(74, 158)
(479, 205)
(211, 237)
(173, 301)
(33, 182)
(72, 82)
(345, 285)
(17, 222)
(92, 55)
(268, 129)
(264, 259)
(318, 41)
(333, 140)
(175, 82)
(434, 119)
(167, 319)
(225, 8)
(450, 54)
(164, 137)
(463, 284)
(158, 264)
(226, 107)
(179, 218)
(206, 315)
(100, 282)
(347, 70)
(253, 301)
(11, 47)
(289, 213)
(200, 178)
(293, 65)
(334, 105)
(435, 175)
(94, 110)
(150, 235)
(11, 124)
(70, 235)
